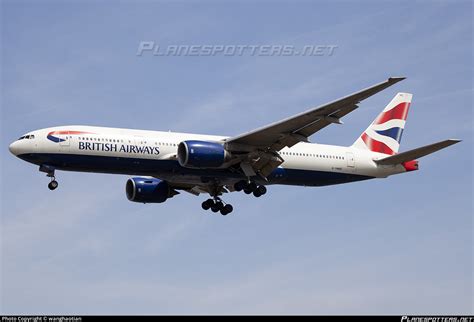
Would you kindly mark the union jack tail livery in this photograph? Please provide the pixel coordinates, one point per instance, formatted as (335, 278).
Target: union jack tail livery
(385, 132)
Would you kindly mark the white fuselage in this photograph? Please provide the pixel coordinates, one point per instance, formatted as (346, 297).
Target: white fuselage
(154, 153)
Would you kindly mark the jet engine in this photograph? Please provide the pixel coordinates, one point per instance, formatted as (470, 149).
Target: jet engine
(202, 154)
(148, 190)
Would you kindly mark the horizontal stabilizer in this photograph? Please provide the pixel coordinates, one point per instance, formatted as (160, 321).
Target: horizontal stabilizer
(416, 153)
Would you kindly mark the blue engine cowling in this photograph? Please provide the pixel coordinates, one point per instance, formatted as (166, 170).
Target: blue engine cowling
(147, 190)
(201, 154)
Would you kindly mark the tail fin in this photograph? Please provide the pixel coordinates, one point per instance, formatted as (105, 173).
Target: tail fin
(385, 132)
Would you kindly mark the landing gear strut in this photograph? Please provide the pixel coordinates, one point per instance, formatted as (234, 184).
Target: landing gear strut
(250, 187)
(50, 173)
(216, 205)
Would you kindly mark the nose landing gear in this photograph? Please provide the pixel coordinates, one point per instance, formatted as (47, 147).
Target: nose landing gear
(53, 184)
(50, 173)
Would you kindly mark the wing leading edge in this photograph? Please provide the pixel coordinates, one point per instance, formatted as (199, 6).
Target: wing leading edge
(258, 149)
(298, 128)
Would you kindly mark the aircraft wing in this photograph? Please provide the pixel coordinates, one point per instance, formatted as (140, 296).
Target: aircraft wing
(298, 128)
(262, 144)
(196, 189)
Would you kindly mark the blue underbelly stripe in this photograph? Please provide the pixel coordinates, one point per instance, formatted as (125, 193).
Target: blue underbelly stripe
(153, 167)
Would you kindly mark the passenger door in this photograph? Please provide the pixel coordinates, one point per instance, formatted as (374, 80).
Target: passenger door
(350, 160)
(64, 141)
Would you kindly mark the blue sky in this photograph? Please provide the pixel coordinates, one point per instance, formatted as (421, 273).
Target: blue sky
(395, 246)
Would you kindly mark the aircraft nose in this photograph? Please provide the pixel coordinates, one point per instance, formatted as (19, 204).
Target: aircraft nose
(14, 148)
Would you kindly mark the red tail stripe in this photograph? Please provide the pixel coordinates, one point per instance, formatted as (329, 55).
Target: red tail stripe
(399, 112)
(375, 145)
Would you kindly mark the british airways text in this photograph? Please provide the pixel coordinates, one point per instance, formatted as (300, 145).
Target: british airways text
(125, 148)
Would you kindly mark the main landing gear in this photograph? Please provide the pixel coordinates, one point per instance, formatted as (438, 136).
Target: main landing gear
(250, 187)
(216, 205)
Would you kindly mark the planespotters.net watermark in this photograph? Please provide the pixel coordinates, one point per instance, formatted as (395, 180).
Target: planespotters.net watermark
(154, 49)
(437, 318)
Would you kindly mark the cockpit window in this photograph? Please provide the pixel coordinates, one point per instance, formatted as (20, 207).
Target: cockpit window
(27, 137)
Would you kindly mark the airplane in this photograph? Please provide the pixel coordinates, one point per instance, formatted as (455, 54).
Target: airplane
(163, 163)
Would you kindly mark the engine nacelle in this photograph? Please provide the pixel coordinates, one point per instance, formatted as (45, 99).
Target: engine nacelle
(148, 190)
(202, 154)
